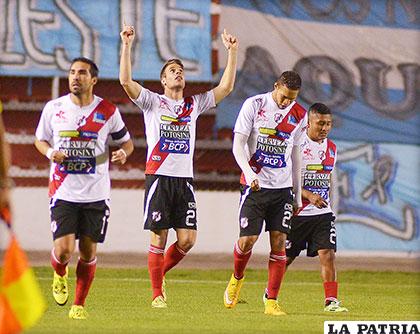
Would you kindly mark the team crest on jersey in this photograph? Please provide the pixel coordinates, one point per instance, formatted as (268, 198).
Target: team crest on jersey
(82, 121)
(53, 226)
(178, 109)
(321, 155)
(278, 117)
(244, 222)
(156, 216)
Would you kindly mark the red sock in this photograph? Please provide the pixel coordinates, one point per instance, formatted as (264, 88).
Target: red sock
(276, 270)
(240, 261)
(60, 268)
(155, 263)
(85, 272)
(331, 291)
(173, 255)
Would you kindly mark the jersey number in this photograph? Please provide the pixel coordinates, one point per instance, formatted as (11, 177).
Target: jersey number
(190, 215)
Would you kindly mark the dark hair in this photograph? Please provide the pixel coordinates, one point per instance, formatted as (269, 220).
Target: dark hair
(169, 62)
(290, 79)
(94, 71)
(320, 108)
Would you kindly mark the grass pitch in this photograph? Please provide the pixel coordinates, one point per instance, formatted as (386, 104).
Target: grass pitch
(119, 302)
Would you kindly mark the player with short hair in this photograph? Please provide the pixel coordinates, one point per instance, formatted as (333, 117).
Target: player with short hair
(313, 227)
(170, 120)
(268, 133)
(74, 133)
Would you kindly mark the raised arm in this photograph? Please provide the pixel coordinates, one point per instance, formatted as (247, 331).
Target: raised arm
(227, 82)
(131, 87)
(239, 142)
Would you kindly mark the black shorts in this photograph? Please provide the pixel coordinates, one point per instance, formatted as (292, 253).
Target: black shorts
(274, 206)
(169, 202)
(89, 219)
(311, 233)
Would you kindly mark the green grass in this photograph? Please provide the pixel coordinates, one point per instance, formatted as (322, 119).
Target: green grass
(119, 302)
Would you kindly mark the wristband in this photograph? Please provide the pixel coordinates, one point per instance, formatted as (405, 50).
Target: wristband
(49, 153)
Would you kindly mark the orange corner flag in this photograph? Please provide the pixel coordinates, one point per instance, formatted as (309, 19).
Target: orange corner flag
(21, 301)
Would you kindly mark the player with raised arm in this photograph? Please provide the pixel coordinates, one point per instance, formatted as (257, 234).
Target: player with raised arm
(170, 120)
(74, 133)
(268, 133)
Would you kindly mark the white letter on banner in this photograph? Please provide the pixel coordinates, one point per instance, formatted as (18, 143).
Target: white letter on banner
(26, 17)
(89, 39)
(167, 18)
(7, 26)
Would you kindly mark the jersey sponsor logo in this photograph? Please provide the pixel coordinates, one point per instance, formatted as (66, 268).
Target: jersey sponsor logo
(191, 205)
(274, 132)
(292, 120)
(174, 138)
(307, 154)
(185, 119)
(319, 167)
(318, 183)
(69, 133)
(99, 118)
(88, 134)
(80, 151)
(270, 152)
(156, 157)
(261, 115)
(60, 117)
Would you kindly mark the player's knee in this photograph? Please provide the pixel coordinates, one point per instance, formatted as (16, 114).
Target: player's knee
(186, 244)
(63, 254)
(246, 243)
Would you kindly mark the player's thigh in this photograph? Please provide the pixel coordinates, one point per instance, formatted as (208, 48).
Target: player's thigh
(279, 210)
(157, 203)
(185, 211)
(298, 237)
(64, 218)
(94, 220)
(251, 212)
(324, 234)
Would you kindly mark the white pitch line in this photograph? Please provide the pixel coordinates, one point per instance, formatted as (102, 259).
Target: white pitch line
(184, 281)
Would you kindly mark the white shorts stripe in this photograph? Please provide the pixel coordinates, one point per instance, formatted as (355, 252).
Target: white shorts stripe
(149, 198)
(243, 198)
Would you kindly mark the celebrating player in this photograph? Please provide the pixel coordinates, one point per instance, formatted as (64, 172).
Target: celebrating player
(268, 132)
(313, 228)
(79, 126)
(170, 121)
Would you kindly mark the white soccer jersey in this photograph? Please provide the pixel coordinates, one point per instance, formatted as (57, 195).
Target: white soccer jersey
(272, 132)
(83, 134)
(318, 161)
(170, 131)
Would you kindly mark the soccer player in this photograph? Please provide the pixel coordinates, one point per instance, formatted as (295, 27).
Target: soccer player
(170, 121)
(313, 227)
(268, 133)
(74, 133)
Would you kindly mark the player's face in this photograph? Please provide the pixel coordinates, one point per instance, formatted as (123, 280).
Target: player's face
(80, 79)
(174, 77)
(284, 96)
(319, 126)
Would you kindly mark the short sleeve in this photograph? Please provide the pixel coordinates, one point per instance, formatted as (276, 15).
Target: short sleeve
(145, 100)
(300, 131)
(205, 101)
(118, 130)
(44, 129)
(245, 121)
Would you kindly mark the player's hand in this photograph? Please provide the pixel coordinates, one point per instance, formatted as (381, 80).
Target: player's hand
(119, 157)
(255, 185)
(127, 34)
(229, 41)
(58, 157)
(318, 201)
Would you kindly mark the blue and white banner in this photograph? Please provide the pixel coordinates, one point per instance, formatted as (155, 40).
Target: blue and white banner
(376, 197)
(39, 38)
(359, 57)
